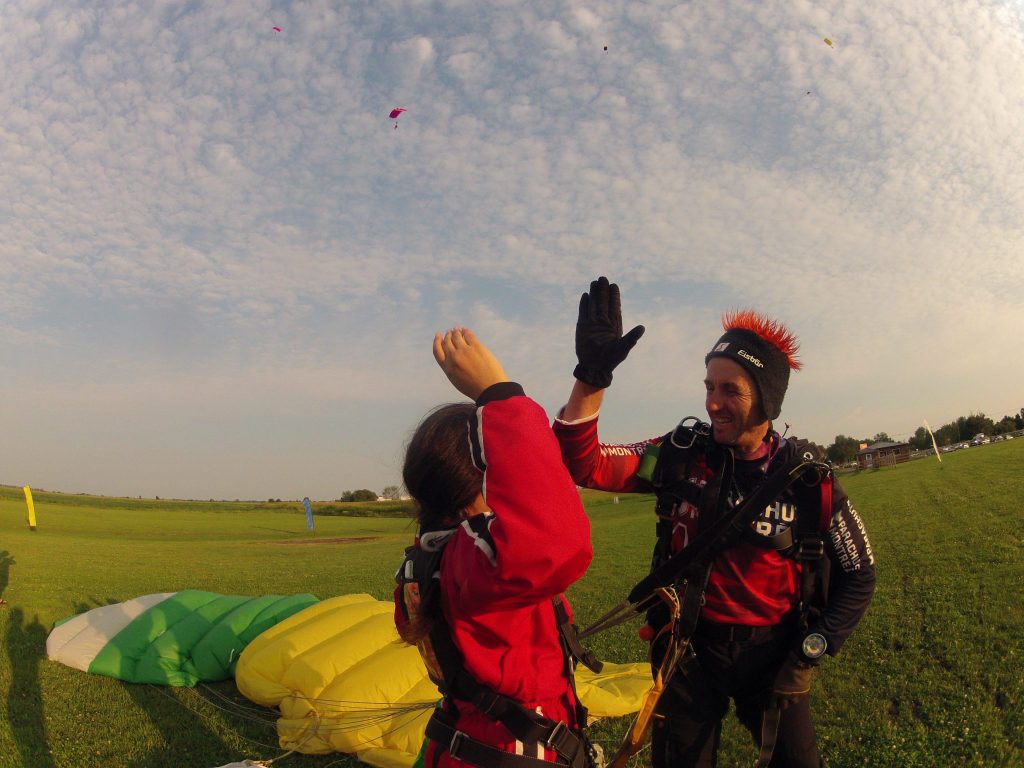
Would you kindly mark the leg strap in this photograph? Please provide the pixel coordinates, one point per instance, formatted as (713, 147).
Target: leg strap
(769, 735)
(560, 738)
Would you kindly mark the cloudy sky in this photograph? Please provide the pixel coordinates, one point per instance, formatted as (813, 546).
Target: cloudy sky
(222, 265)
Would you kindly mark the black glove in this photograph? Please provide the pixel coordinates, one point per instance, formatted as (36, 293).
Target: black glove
(600, 345)
(792, 682)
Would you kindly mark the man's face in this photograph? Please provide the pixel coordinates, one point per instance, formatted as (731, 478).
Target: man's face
(734, 406)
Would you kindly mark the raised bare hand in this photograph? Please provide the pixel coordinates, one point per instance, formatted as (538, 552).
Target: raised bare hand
(469, 365)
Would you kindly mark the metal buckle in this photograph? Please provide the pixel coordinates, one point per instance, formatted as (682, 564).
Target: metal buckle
(564, 742)
(453, 746)
(553, 738)
(698, 428)
(810, 548)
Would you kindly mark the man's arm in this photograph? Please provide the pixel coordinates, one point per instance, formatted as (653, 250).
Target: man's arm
(584, 402)
(853, 572)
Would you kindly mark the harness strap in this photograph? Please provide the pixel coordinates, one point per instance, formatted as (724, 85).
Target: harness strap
(523, 724)
(826, 504)
(711, 540)
(676, 647)
(570, 635)
(441, 729)
(769, 735)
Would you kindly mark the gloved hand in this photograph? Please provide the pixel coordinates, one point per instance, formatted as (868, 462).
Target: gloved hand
(600, 345)
(792, 682)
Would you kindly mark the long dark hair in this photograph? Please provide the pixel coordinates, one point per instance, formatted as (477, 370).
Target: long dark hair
(439, 474)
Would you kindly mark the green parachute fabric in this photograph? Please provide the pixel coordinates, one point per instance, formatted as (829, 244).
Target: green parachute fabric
(344, 682)
(169, 638)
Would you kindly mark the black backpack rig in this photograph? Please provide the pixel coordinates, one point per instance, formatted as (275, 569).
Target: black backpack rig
(672, 594)
(671, 467)
(418, 581)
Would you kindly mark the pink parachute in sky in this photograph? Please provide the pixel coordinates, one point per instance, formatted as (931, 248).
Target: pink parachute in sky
(276, 29)
(395, 113)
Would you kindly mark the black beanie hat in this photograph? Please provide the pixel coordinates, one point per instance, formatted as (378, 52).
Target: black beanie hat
(765, 349)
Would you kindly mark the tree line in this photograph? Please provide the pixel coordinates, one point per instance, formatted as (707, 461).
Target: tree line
(845, 449)
(391, 492)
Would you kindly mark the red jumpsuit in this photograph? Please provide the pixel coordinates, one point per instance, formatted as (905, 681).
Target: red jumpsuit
(500, 571)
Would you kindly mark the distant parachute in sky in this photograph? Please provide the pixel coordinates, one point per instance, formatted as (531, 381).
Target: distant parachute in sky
(828, 42)
(276, 29)
(395, 113)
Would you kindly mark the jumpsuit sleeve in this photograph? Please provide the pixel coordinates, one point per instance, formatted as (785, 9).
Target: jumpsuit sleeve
(852, 572)
(537, 541)
(601, 466)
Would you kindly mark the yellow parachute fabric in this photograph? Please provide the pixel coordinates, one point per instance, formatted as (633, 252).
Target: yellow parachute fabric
(344, 682)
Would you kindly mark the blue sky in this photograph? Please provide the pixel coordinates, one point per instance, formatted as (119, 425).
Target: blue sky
(221, 265)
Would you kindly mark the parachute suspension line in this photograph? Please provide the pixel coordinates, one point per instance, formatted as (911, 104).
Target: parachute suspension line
(399, 717)
(244, 711)
(208, 720)
(309, 735)
(620, 614)
(373, 713)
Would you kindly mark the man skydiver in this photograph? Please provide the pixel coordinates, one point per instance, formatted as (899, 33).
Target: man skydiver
(776, 599)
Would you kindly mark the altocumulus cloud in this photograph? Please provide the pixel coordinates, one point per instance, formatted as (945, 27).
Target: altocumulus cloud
(203, 218)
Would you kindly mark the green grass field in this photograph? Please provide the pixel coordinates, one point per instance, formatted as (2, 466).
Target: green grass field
(933, 677)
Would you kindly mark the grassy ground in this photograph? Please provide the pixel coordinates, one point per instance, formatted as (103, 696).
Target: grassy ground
(933, 677)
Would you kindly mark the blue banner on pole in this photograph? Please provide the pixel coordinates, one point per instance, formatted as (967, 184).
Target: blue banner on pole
(309, 513)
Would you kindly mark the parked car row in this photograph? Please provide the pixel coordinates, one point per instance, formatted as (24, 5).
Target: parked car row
(976, 441)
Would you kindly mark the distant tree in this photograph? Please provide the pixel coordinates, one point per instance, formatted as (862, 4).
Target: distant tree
(362, 494)
(882, 437)
(947, 434)
(921, 439)
(1006, 424)
(843, 450)
(391, 492)
(974, 424)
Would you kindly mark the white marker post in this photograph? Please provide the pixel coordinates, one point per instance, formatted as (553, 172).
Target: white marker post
(932, 435)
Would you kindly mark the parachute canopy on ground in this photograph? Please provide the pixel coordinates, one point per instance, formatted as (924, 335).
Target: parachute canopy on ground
(169, 638)
(344, 682)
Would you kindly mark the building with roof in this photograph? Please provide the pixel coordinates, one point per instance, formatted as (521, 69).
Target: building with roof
(883, 455)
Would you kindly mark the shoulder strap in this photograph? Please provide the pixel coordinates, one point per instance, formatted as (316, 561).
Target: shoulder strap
(725, 528)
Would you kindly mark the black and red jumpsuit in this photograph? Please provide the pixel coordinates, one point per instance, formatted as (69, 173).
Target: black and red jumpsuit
(747, 626)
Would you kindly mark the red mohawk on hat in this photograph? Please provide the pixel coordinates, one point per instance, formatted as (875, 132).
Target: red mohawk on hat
(769, 329)
(765, 348)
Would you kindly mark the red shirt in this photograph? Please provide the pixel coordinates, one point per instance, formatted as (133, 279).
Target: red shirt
(748, 584)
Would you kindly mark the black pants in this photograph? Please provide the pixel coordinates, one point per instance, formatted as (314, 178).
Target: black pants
(688, 719)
